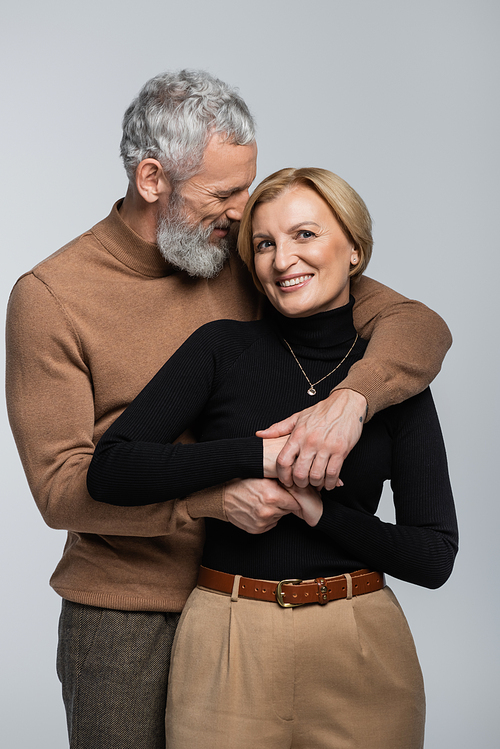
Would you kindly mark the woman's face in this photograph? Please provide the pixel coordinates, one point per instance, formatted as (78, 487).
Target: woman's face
(302, 256)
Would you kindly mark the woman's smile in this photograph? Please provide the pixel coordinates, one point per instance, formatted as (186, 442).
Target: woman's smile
(290, 283)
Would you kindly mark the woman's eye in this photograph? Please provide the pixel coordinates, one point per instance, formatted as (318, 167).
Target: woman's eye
(306, 234)
(264, 245)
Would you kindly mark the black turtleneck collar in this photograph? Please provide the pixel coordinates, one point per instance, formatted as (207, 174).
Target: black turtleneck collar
(317, 334)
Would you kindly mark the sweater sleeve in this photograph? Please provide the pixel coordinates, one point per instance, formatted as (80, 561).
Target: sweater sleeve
(407, 345)
(136, 461)
(421, 546)
(51, 411)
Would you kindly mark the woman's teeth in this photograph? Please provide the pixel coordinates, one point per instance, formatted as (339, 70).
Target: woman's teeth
(294, 281)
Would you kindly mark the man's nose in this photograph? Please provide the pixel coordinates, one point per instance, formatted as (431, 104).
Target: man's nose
(238, 203)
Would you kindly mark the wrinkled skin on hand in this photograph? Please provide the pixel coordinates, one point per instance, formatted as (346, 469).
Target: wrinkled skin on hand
(256, 505)
(320, 439)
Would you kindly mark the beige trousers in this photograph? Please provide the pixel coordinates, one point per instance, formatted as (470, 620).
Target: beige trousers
(250, 675)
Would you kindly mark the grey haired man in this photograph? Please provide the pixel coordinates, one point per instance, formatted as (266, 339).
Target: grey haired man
(89, 326)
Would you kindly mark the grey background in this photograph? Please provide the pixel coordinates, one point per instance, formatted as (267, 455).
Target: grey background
(399, 98)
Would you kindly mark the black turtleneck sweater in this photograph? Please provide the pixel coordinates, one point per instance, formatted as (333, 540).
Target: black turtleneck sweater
(230, 379)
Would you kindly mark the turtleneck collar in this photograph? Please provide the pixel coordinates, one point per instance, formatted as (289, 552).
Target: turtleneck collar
(317, 334)
(129, 248)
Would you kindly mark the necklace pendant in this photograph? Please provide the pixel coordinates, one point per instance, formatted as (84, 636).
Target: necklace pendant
(312, 390)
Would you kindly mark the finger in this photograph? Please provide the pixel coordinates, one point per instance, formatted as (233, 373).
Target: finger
(302, 468)
(257, 530)
(332, 472)
(279, 429)
(318, 470)
(286, 505)
(285, 462)
(270, 526)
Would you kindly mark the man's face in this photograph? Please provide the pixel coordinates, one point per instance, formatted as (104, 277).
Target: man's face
(194, 225)
(218, 194)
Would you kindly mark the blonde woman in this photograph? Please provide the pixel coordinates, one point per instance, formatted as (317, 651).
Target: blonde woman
(291, 638)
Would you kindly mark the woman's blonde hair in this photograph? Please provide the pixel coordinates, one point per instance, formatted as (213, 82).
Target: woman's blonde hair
(347, 207)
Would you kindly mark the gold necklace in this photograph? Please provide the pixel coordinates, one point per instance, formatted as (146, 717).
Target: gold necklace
(312, 390)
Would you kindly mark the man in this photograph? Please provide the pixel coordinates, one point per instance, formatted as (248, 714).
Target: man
(89, 326)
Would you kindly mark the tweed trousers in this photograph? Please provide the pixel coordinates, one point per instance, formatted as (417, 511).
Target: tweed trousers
(248, 674)
(113, 666)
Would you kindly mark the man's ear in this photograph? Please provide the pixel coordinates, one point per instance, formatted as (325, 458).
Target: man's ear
(151, 181)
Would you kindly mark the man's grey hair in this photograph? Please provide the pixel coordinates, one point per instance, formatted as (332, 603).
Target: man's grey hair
(174, 116)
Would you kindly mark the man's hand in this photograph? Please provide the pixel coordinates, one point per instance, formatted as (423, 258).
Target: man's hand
(320, 439)
(256, 505)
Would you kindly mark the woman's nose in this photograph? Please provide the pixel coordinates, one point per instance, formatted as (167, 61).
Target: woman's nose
(284, 257)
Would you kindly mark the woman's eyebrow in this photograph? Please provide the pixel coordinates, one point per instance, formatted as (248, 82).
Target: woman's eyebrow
(301, 223)
(292, 228)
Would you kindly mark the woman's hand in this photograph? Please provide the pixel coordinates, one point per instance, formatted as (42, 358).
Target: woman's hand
(272, 448)
(310, 504)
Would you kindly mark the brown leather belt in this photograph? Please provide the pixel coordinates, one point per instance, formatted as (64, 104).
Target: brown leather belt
(290, 593)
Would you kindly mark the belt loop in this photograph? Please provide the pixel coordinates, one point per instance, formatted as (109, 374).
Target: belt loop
(349, 585)
(236, 588)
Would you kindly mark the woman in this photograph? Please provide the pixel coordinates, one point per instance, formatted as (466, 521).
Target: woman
(254, 665)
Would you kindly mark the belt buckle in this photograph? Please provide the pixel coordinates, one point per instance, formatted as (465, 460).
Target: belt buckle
(279, 594)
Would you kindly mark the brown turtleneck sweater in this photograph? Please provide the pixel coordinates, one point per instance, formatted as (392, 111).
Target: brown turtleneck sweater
(86, 329)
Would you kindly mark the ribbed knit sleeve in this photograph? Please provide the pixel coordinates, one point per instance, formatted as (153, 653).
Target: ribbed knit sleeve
(136, 462)
(421, 547)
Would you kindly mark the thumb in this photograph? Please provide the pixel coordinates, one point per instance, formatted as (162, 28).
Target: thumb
(280, 429)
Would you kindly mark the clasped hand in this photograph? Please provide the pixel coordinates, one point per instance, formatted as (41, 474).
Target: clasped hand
(318, 440)
(256, 505)
(304, 453)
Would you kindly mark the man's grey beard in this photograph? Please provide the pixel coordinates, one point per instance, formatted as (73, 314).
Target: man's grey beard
(188, 247)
